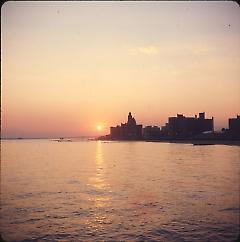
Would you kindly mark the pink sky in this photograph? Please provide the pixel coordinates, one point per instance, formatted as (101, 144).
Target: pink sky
(70, 66)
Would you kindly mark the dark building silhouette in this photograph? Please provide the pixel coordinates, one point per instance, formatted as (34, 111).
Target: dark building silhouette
(234, 125)
(183, 127)
(151, 132)
(128, 131)
(178, 128)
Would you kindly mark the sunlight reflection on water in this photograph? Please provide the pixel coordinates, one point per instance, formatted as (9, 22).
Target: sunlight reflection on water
(102, 199)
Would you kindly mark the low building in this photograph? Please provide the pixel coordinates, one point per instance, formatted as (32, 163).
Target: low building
(151, 132)
(127, 131)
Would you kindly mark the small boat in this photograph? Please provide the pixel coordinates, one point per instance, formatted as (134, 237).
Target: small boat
(62, 140)
(203, 144)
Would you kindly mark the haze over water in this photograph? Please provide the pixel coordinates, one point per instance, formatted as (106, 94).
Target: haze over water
(93, 190)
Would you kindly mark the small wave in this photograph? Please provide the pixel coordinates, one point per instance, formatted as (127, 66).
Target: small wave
(73, 182)
(168, 235)
(24, 195)
(230, 209)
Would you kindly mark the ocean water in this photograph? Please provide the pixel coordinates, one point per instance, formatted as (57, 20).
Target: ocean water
(118, 191)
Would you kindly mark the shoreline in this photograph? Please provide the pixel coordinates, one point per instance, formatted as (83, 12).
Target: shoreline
(200, 142)
(195, 142)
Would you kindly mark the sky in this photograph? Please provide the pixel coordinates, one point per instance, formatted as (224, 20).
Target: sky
(68, 67)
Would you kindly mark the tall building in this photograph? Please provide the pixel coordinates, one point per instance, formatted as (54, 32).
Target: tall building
(234, 125)
(127, 131)
(183, 127)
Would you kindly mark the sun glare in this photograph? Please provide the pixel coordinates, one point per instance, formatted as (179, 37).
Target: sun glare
(99, 127)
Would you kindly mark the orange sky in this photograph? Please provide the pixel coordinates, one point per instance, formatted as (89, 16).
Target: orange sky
(70, 66)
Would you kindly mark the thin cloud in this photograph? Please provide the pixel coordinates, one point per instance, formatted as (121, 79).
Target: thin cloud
(146, 50)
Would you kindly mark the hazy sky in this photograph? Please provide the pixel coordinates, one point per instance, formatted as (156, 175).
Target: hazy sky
(70, 66)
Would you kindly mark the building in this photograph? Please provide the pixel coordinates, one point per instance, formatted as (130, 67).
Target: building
(151, 132)
(234, 125)
(127, 131)
(183, 127)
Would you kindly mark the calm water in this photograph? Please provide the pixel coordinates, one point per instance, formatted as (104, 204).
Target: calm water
(93, 190)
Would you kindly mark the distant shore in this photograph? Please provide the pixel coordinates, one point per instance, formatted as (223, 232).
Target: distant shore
(177, 141)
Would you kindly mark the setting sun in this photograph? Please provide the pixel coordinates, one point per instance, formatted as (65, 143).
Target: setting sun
(99, 127)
